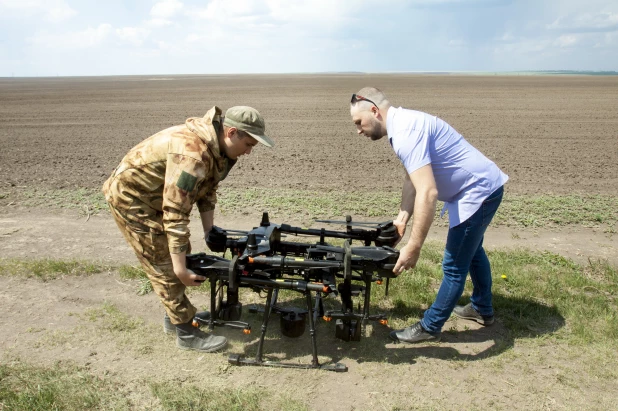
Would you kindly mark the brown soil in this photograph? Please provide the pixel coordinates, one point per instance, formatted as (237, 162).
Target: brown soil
(550, 134)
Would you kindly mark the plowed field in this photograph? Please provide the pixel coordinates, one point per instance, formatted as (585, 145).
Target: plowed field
(550, 134)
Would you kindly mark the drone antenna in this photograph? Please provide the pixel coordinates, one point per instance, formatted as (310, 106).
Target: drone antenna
(265, 221)
(251, 242)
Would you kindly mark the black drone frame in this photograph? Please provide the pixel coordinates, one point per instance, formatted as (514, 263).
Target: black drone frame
(264, 263)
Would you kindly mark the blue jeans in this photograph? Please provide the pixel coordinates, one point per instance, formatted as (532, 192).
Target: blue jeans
(464, 253)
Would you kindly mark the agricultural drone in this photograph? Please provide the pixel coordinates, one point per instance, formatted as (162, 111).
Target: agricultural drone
(264, 263)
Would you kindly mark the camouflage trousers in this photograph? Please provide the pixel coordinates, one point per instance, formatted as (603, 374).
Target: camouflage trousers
(151, 249)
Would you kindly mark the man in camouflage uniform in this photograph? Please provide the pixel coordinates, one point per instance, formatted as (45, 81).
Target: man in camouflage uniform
(151, 194)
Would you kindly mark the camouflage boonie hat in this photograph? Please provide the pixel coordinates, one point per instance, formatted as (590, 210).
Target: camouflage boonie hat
(249, 120)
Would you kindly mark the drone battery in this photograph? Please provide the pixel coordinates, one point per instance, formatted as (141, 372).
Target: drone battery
(348, 330)
(292, 324)
(231, 312)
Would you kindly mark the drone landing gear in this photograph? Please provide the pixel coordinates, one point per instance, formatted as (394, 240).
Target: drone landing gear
(236, 359)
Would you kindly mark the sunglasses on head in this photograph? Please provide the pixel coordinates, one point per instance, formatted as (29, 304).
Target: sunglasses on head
(357, 97)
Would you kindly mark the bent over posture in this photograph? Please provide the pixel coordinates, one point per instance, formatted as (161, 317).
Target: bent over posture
(440, 165)
(151, 194)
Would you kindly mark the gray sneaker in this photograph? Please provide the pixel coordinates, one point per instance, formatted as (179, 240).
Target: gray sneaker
(413, 334)
(467, 312)
(189, 337)
(201, 317)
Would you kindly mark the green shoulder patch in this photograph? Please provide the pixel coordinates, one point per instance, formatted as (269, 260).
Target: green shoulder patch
(186, 181)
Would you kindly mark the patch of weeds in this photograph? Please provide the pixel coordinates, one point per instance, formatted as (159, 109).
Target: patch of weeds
(53, 338)
(48, 269)
(516, 210)
(131, 272)
(61, 387)
(554, 210)
(174, 396)
(144, 287)
(538, 295)
(112, 319)
(91, 200)
(128, 332)
(544, 292)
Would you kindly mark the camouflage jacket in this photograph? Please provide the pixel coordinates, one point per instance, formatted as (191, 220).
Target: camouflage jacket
(159, 180)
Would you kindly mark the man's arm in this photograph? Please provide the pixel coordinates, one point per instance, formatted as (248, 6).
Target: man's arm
(207, 218)
(186, 276)
(424, 184)
(408, 194)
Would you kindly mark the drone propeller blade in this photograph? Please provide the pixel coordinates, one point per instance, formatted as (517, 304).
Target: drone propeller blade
(370, 253)
(237, 232)
(351, 223)
(332, 249)
(219, 265)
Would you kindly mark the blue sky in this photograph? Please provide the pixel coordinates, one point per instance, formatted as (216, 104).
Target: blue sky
(94, 37)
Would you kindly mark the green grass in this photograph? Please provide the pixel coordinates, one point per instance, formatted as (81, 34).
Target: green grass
(516, 210)
(535, 294)
(110, 318)
(61, 387)
(174, 396)
(68, 387)
(49, 269)
(131, 272)
(88, 200)
(519, 211)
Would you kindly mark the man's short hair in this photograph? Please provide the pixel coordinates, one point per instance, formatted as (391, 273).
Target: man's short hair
(373, 94)
(241, 133)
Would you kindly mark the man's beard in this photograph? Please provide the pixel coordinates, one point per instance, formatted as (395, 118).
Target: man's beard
(376, 131)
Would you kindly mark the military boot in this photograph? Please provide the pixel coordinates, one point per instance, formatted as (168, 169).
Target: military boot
(201, 318)
(189, 337)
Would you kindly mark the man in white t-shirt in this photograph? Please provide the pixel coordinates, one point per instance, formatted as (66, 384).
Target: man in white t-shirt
(440, 165)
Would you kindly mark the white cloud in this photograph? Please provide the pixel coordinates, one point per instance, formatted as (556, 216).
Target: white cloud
(566, 41)
(588, 22)
(133, 35)
(73, 40)
(457, 43)
(157, 23)
(55, 11)
(166, 9)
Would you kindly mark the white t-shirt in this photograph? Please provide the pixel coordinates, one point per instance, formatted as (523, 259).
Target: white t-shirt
(464, 176)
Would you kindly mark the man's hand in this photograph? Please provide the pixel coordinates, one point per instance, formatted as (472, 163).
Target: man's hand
(401, 230)
(408, 257)
(189, 278)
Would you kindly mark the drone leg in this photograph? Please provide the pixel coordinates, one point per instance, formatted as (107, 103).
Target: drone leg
(318, 309)
(367, 300)
(314, 343)
(273, 301)
(213, 304)
(267, 310)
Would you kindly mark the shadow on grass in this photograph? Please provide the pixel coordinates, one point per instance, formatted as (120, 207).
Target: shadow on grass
(516, 318)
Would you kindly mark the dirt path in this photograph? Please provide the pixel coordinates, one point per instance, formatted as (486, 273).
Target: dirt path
(35, 233)
(71, 319)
